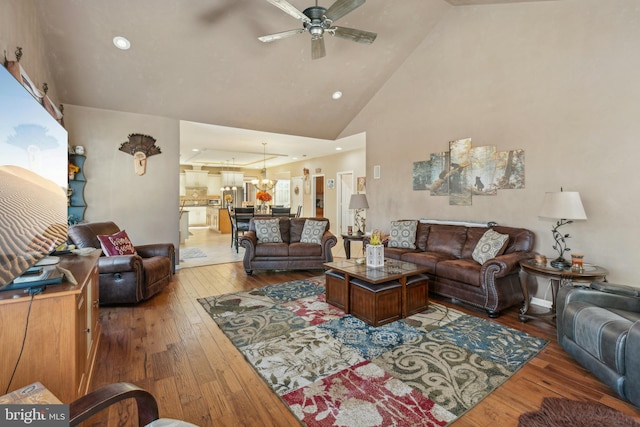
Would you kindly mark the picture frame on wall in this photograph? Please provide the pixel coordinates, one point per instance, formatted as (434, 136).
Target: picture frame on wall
(331, 183)
(362, 184)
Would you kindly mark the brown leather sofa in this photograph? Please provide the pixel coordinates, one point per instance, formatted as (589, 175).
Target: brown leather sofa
(447, 251)
(127, 279)
(291, 254)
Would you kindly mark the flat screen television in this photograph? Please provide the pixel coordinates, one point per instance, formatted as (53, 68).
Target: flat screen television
(33, 180)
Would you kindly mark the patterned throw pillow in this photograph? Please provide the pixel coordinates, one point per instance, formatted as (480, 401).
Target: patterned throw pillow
(490, 245)
(403, 234)
(268, 230)
(116, 244)
(313, 231)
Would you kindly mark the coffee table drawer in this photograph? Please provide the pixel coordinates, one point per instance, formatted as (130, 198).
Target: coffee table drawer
(376, 304)
(417, 293)
(336, 289)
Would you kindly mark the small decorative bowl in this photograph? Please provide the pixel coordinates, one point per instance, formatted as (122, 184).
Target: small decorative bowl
(540, 259)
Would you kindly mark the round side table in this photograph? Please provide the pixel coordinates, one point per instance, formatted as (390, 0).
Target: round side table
(558, 277)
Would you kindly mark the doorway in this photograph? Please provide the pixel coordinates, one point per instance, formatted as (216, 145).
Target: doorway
(297, 195)
(344, 215)
(318, 195)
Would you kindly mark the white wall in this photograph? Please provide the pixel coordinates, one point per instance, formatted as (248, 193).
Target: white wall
(557, 79)
(353, 160)
(19, 27)
(146, 206)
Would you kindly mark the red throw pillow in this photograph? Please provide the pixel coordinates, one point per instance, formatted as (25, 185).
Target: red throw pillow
(117, 244)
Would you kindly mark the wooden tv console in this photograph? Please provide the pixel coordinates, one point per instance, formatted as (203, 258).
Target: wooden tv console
(62, 334)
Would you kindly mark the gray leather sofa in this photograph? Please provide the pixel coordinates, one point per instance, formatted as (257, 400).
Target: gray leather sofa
(599, 326)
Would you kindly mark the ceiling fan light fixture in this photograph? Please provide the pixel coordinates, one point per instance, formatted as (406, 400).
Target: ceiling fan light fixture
(316, 31)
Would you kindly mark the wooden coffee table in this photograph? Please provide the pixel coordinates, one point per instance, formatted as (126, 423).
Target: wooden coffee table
(377, 295)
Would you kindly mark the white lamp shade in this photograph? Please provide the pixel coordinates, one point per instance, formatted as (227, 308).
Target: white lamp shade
(562, 205)
(358, 201)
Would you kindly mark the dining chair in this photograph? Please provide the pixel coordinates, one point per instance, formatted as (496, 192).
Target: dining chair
(299, 212)
(242, 216)
(106, 396)
(280, 211)
(232, 221)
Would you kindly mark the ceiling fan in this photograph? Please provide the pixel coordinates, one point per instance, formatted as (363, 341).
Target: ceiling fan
(317, 21)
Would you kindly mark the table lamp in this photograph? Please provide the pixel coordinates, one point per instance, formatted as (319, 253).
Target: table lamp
(565, 206)
(359, 203)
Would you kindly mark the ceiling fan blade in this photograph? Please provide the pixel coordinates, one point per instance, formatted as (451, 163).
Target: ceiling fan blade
(290, 9)
(352, 34)
(317, 48)
(277, 36)
(341, 8)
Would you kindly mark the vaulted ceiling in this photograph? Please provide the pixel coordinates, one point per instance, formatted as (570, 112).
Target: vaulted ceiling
(201, 61)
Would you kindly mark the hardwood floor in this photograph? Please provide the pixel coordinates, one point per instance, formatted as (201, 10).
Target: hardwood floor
(171, 347)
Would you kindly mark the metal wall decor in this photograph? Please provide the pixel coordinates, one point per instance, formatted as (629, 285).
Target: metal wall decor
(465, 171)
(140, 147)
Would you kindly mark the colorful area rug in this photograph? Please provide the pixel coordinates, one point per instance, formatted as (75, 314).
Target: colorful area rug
(333, 369)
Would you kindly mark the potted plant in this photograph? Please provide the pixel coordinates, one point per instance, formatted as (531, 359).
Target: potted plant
(375, 250)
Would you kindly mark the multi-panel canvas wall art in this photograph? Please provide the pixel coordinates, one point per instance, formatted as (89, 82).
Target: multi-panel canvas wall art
(466, 171)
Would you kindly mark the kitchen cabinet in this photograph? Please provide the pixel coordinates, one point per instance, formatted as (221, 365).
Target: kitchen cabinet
(212, 218)
(214, 182)
(230, 178)
(195, 178)
(197, 216)
(224, 221)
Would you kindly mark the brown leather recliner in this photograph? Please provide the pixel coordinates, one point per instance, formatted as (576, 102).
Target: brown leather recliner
(127, 279)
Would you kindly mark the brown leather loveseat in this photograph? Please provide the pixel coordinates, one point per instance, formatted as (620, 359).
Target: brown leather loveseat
(291, 253)
(447, 251)
(126, 279)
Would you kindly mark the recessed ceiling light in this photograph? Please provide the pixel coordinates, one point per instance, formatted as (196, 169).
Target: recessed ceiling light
(336, 95)
(121, 43)
(338, 148)
(195, 149)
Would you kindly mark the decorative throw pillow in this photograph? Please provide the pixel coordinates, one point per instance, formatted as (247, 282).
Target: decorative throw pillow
(313, 231)
(403, 234)
(117, 244)
(268, 230)
(490, 245)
